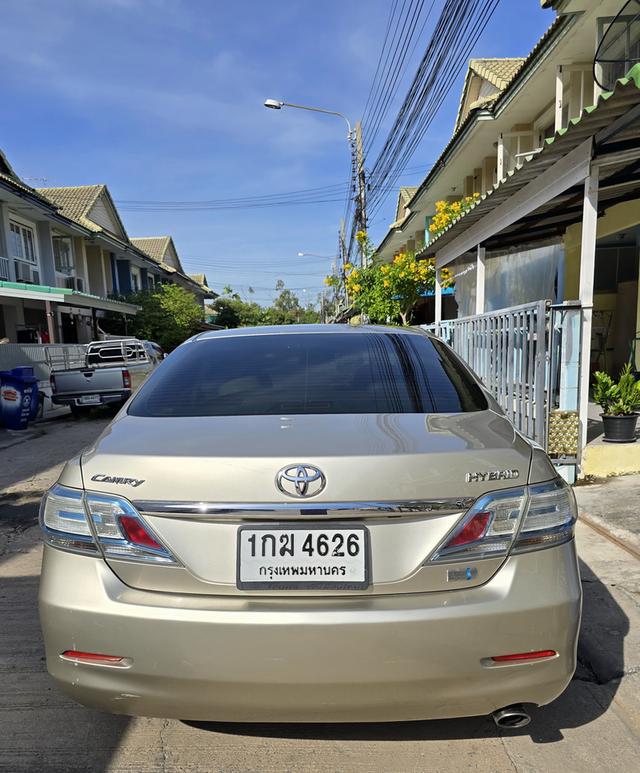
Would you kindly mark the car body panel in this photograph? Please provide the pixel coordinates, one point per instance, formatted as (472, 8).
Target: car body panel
(364, 658)
(207, 459)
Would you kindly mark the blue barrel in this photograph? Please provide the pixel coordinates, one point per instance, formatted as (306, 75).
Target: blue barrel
(19, 398)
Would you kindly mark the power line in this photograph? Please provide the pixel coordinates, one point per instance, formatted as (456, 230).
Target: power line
(460, 24)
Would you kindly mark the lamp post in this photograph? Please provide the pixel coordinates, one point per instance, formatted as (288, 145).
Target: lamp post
(276, 104)
(354, 137)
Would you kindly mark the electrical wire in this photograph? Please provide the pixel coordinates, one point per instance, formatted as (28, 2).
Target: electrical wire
(460, 24)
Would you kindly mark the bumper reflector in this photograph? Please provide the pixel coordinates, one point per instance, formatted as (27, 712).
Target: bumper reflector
(538, 655)
(95, 657)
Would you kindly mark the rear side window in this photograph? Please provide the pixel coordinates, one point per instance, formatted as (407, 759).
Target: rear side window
(309, 373)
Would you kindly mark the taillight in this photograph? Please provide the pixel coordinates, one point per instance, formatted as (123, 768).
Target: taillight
(472, 531)
(126, 379)
(137, 533)
(516, 520)
(92, 523)
(52, 382)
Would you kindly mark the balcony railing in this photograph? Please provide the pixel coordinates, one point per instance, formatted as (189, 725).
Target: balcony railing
(4, 269)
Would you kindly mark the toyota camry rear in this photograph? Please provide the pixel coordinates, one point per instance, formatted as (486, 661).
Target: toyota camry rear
(314, 523)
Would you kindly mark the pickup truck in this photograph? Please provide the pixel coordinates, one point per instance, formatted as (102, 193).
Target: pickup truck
(113, 371)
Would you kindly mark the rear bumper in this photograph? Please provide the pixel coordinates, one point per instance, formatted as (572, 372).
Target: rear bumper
(105, 397)
(414, 656)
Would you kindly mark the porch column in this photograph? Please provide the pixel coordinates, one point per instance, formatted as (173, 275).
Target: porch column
(51, 325)
(438, 298)
(501, 164)
(480, 284)
(587, 269)
(559, 103)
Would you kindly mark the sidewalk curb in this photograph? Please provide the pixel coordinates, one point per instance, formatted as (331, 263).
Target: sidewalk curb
(624, 539)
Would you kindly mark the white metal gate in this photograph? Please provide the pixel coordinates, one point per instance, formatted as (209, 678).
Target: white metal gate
(509, 350)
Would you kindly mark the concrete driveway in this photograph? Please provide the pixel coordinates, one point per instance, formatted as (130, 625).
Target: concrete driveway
(594, 726)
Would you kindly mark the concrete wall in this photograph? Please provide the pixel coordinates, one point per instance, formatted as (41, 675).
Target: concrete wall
(615, 219)
(45, 250)
(625, 304)
(95, 273)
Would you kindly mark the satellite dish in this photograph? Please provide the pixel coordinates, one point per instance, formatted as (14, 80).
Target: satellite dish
(619, 48)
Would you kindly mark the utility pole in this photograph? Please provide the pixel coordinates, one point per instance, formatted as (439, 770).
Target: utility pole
(361, 202)
(345, 258)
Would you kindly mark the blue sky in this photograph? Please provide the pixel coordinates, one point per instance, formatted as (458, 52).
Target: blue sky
(162, 100)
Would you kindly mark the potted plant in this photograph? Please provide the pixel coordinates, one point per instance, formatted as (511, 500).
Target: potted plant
(619, 403)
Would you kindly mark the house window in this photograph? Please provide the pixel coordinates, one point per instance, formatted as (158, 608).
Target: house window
(21, 242)
(63, 254)
(618, 47)
(135, 280)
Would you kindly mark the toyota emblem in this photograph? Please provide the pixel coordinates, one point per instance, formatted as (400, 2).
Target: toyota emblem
(300, 480)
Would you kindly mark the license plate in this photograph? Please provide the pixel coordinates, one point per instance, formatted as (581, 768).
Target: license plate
(89, 400)
(297, 556)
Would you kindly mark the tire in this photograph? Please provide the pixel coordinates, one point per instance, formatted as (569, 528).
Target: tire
(80, 411)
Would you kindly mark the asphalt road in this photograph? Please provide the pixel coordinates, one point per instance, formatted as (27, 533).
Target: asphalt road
(594, 726)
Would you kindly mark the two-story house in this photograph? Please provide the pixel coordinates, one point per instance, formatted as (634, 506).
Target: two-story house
(66, 262)
(551, 143)
(48, 286)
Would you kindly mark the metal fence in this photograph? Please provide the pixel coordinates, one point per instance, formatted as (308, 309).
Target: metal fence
(509, 350)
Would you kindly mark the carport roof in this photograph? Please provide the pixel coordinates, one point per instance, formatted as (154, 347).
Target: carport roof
(64, 295)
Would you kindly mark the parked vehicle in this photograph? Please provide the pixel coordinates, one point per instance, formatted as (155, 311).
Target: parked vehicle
(113, 371)
(311, 524)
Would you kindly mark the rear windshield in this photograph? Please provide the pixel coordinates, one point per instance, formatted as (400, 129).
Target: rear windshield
(300, 373)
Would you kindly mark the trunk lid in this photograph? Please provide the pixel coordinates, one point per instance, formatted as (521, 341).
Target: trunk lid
(185, 470)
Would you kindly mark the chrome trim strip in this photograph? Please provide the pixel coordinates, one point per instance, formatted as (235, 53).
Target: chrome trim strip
(308, 509)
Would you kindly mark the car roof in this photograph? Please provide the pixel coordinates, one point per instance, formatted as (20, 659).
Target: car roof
(336, 329)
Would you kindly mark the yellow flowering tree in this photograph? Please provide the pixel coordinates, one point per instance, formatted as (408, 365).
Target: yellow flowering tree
(448, 211)
(388, 292)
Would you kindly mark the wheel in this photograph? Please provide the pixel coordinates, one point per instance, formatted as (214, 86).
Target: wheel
(80, 411)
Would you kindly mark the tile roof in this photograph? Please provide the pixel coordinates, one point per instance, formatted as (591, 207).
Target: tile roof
(199, 278)
(499, 72)
(405, 194)
(75, 202)
(154, 246)
(8, 175)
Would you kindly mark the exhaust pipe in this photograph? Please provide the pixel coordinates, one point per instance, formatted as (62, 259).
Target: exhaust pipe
(511, 717)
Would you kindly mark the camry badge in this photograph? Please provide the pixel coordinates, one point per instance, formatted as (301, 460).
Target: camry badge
(100, 478)
(300, 480)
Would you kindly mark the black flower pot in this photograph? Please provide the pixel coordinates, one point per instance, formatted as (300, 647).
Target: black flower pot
(620, 429)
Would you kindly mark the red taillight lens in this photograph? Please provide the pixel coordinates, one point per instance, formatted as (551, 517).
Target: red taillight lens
(136, 533)
(91, 657)
(52, 381)
(537, 655)
(126, 379)
(472, 531)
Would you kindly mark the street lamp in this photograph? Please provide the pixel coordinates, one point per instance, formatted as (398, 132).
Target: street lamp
(315, 255)
(354, 138)
(276, 104)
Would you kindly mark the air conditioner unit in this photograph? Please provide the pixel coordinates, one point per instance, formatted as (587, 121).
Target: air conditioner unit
(75, 283)
(25, 273)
